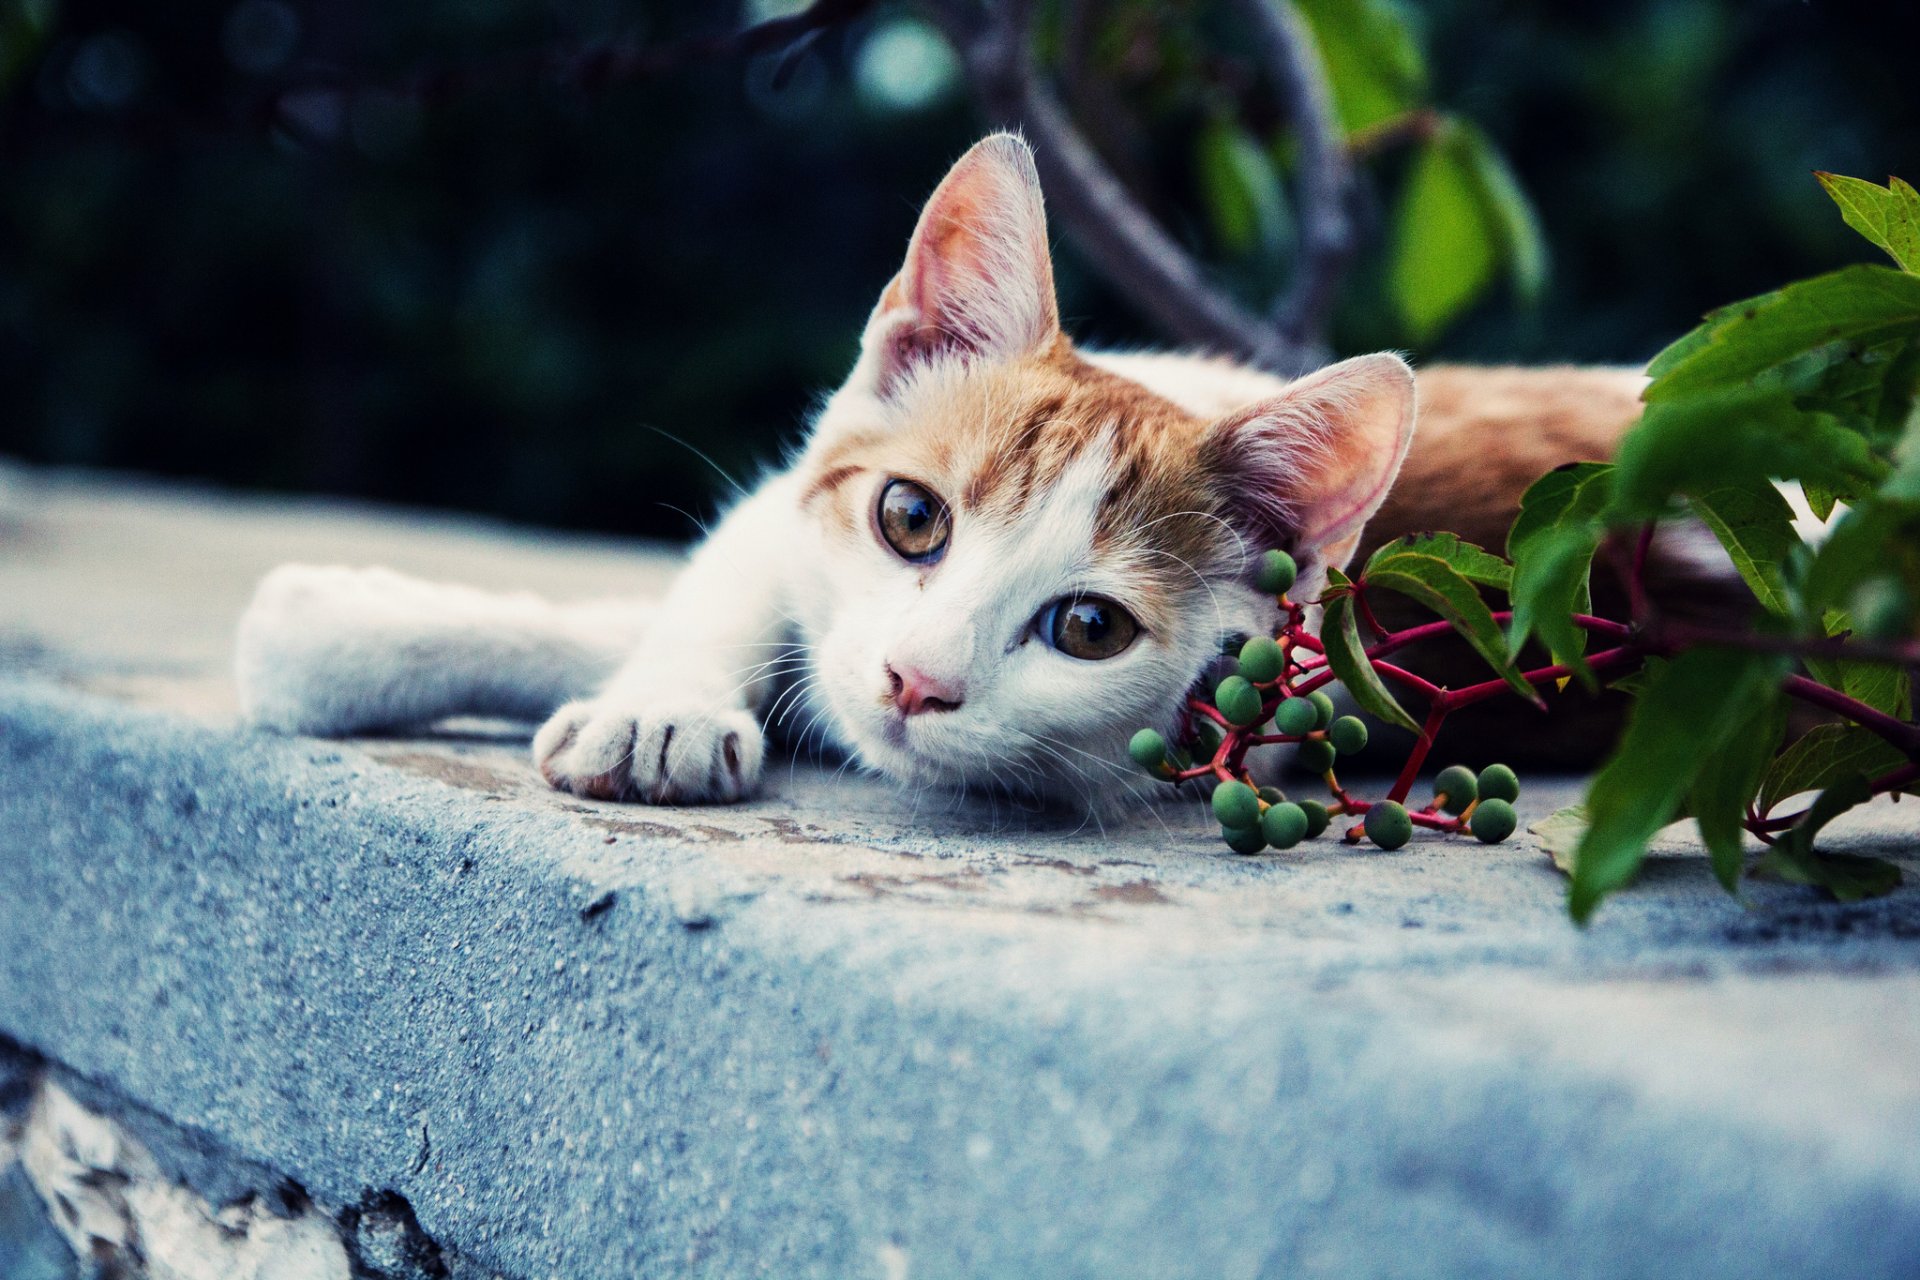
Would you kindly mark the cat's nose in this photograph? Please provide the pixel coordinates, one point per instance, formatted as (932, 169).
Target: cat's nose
(915, 691)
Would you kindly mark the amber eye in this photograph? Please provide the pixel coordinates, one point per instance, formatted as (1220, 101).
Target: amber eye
(1088, 627)
(914, 522)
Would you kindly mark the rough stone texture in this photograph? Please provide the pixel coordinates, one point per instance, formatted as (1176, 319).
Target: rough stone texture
(846, 1031)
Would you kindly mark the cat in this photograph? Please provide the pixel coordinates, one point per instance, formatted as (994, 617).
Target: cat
(996, 557)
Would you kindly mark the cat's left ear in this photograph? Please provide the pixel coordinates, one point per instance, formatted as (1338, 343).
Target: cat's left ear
(978, 279)
(1306, 469)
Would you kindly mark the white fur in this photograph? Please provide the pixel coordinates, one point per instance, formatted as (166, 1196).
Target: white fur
(774, 621)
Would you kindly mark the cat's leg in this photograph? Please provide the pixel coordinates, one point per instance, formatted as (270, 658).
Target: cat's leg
(331, 651)
(677, 723)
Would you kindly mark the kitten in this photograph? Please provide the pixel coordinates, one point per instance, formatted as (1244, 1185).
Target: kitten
(996, 557)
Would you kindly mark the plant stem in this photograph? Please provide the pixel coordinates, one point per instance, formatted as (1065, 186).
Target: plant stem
(1904, 736)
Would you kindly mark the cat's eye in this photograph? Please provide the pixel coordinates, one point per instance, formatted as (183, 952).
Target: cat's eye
(914, 521)
(1087, 627)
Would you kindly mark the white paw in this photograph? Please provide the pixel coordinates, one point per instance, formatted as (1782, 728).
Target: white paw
(654, 751)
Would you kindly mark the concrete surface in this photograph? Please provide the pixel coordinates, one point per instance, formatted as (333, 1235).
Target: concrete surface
(845, 1031)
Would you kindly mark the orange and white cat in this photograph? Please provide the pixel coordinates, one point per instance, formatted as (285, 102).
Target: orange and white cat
(996, 556)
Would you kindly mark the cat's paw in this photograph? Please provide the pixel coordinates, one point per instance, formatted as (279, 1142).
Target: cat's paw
(655, 752)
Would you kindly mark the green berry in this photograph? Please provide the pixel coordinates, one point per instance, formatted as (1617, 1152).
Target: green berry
(1348, 735)
(1206, 739)
(1323, 706)
(1148, 749)
(1388, 825)
(1244, 839)
(1260, 660)
(1296, 715)
(1493, 821)
(1284, 825)
(1317, 817)
(1456, 788)
(1276, 573)
(1236, 805)
(1315, 756)
(1273, 795)
(1238, 701)
(1497, 782)
(1231, 642)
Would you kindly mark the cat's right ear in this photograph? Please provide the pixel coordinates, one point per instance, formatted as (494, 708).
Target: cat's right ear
(978, 279)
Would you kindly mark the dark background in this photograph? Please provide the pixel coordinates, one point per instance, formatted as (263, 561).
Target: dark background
(507, 297)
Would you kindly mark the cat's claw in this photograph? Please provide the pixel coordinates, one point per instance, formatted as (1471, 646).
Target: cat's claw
(608, 749)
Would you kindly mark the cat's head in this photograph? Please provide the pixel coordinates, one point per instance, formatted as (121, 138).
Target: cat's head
(1023, 557)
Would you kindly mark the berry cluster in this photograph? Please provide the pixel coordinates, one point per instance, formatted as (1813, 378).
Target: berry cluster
(1275, 695)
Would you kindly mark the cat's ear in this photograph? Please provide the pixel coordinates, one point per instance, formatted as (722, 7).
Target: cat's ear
(1307, 468)
(978, 279)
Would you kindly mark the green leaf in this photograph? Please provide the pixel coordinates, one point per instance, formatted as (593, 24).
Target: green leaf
(1560, 834)
(1242, 193)
(1372, 59)
(1440, 587)
(1823, 756)
(1550, 585)
(1570, 494)
(1475, 564)
(1889, 216)
(1755, 526)
(1880, 535)
(1736, 438)
(1738, 344)
(1691, 709)
(1881, 685)
(1509, 214)
(1444, 252)
(1552, 544)
(1848, 877)
(1340, 633)
(1727, 782)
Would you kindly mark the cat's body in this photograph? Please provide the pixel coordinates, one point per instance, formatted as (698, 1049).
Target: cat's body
(995, 558)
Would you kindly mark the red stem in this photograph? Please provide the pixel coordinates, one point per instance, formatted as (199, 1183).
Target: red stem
(1904, 736)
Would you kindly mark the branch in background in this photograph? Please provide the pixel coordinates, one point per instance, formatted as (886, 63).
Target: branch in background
(1326, 233)
(1123, 241)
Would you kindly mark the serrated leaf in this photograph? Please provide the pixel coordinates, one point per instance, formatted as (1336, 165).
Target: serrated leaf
(1881, 534)
(1727, 782)
(1734, 437)
(1372, 59)
(1560, 833)
(1880, 685)
(1440, 587)
(1823, 756)
(1340, 635)
(1475, 564)
(1889, 216)
(1848, 877)
(1737, 344)
(1573, 493)
(1691, 709)
(1754, 524)
(1550, 585)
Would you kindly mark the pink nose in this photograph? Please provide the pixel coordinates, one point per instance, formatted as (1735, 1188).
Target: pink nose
(914, 691)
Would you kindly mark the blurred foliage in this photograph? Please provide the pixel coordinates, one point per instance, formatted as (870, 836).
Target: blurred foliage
(508, 299)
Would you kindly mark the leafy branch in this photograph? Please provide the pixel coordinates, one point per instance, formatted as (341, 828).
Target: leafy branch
(1817, 383)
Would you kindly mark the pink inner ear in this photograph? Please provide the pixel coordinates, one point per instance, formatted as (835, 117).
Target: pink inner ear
(1314, 463)
(978, 279)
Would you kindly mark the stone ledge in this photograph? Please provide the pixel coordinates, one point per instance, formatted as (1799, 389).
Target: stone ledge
(840, 1032)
